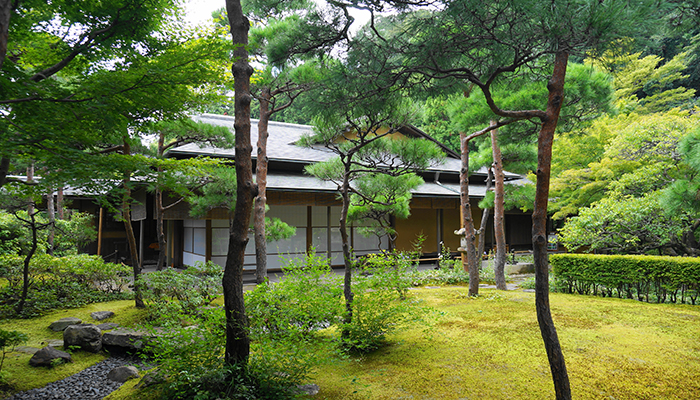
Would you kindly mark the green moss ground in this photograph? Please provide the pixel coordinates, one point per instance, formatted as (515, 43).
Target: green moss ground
(16, 370)
(490, 348)
(481, 348)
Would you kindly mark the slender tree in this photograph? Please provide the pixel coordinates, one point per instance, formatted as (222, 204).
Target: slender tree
(237, 340)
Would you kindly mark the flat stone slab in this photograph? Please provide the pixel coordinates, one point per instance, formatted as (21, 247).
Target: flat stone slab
(63, 323)
(127, 339)
(106, 326)
(520, 269)
(27, 349)
(101, 315)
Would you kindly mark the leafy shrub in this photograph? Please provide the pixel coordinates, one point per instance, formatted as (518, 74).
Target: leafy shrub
(173, 296)
(16, 238)
(190, 364)
(60, 282)
(390, 270)
(307, 298)
(8, 341)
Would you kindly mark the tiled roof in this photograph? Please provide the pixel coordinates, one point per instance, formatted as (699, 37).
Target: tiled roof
(281, 146)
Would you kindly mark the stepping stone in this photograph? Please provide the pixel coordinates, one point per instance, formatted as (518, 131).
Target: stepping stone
(101, 315)
(63, 323)
(27, 349)
(54, 343)
(107, 326)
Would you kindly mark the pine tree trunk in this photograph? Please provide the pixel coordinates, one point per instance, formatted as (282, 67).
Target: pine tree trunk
(237, 340)
(261, 199)
(6, 10)
(467, 222)
(539, 229)
(60, 212)
(485, 213)
(499, 261)
(345, 240)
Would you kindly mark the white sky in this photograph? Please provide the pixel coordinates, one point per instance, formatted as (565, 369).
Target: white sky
(199, 11)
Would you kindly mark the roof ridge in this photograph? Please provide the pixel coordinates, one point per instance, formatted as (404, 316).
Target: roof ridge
(252, 120)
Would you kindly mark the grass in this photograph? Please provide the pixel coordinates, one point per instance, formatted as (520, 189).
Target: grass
(487, 347)
(16, 370)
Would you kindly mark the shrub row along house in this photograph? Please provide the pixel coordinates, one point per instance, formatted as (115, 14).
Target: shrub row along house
(312, 206)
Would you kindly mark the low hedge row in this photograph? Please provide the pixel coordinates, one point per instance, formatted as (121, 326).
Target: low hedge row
(646, 278)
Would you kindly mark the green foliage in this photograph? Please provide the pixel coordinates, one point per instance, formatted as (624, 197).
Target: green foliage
(647, 278)
(60, 282)
(220, 192)
(190, 365)
(624, 225)
(173, 297)
(307, 299)
(69, 235)
(8, 341)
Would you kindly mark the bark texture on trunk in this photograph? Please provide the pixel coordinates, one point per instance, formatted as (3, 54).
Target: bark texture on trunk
(51, 211)
(130, 236)
(160, 211)
(539, 229)
(345, 240)
(467, 222)
(261, 198)
(5, 16)
(27, 260)
(4, 170)
(485, 213)
(237, 340)
(499, 261)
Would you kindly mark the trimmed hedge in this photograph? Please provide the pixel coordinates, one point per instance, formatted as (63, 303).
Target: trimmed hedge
(646, 278)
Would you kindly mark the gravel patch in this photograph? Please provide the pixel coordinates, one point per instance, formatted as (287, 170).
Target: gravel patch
(88, 384)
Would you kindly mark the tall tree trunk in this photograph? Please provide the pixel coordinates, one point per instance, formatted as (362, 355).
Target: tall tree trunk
(51, 211)
(30, 178)
(345, 240)
(160, 211)
(6, 9)
(261, 180)
(539, 229)
(237, 340)
(485, 213)
(27, 260)
(499, 261)
(473, 262)
(160, 230)
(60, 213)
(4, 168)
(130, 236)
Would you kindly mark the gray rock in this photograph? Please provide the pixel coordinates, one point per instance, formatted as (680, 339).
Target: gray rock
(520, 269)
(127, 339)
(310, 389)
(107, 326)
(123, 374)
(88, 337)
(101, 315)
(63, 323)
(27, 349)
(54, 343)
(47, 355)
